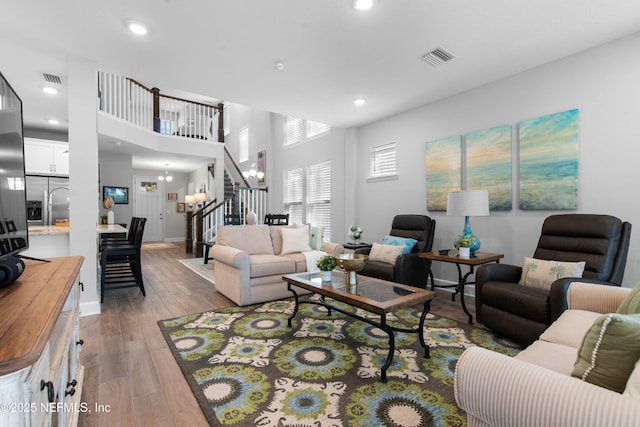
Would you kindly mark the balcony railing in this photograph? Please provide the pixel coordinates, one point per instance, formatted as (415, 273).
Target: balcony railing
(147, 108)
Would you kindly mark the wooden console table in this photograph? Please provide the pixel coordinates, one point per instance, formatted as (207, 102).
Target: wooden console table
(40, 373)
(478, 258)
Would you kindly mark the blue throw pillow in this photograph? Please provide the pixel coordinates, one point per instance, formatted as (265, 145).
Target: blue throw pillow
(400, 241)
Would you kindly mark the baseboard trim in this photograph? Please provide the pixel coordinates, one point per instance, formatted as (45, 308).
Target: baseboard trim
(89, 308)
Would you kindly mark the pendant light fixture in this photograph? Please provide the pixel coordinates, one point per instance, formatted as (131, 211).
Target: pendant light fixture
(166, 176)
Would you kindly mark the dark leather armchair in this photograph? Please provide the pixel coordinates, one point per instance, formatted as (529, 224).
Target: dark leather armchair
(409, 269)
(522, 313)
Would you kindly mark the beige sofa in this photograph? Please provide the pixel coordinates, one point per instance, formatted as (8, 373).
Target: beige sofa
(251, 259)
(536, 388)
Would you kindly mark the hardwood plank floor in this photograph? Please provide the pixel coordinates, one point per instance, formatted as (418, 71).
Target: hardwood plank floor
(131, 377)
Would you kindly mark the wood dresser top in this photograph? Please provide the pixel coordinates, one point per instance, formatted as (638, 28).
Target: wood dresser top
(29, 309)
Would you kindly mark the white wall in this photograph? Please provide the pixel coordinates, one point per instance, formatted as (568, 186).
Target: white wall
(602, 83)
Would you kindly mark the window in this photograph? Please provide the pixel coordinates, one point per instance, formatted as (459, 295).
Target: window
(382, 160)
(243, 142)
(298, 130)
(293, 195)
(319, 196)
(316, 209)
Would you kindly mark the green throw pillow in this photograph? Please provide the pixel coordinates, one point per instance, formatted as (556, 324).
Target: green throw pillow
(631, 303)
(609, 351)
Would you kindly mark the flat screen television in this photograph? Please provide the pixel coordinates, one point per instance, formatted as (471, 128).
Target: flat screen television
(14, 236)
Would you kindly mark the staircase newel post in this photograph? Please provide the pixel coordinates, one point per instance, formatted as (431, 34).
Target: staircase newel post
(189, 241)
(221, 122)
(156, 109)
(199, 233)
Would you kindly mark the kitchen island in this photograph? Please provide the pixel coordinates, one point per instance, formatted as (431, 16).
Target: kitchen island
(49, 241)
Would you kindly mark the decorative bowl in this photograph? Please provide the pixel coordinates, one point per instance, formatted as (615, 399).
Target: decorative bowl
(350, 264)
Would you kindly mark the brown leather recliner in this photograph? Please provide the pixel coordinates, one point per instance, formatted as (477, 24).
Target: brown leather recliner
(523, 313)
(409, 269)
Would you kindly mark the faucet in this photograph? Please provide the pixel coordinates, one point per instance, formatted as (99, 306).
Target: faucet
(50, 203)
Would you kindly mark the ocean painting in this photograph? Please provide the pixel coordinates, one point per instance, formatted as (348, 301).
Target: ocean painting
(549, 162)
(489, 165)
(443, 162)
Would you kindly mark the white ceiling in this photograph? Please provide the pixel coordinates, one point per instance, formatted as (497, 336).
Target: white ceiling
(226, 49)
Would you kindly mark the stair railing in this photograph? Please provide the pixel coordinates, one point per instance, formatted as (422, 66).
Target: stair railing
(210, 217)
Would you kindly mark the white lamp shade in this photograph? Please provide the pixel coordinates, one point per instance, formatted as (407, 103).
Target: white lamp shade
(200, 197)
(468, 203)
(189, 199)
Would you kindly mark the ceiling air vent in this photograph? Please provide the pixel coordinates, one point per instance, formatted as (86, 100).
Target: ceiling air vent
(438, 56)
(50, 78)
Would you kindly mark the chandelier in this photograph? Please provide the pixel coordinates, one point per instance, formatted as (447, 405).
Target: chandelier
(166, 176)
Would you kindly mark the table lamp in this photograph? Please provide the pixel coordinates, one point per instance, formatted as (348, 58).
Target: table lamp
(189, 200)
(468, 203)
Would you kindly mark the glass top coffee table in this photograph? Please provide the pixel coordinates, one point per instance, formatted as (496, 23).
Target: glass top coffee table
(370, 294)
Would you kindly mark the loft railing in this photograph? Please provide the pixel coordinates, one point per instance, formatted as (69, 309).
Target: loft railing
(147, 108)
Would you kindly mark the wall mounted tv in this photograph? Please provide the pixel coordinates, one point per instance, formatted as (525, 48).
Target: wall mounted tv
(14, 236)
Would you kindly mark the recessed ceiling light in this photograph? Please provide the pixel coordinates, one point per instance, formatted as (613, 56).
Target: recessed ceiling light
(278, 65)
(359, 101)
(362, 4)
(53, 122)
(49, 90)
(137, 28)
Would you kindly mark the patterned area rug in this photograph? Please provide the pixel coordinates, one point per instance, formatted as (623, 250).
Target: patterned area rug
(246, 367)
(197, 266)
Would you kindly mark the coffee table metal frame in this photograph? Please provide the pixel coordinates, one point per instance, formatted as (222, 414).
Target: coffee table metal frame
(337, 290)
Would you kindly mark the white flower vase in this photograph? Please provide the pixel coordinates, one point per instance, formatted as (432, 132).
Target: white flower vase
(464, 252)
(326, 276)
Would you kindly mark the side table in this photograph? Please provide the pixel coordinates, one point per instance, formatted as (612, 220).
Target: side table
(478, 258)
(354, 246)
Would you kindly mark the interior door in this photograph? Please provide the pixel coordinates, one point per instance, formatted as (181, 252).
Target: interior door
(148, 203)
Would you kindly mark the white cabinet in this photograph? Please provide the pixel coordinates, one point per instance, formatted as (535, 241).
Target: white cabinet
(46, 157)
(40, 374)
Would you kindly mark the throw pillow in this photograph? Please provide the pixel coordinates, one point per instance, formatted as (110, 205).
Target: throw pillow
(631, 304)
(385, 253)
(295, 240)
(633, 385)
(407, 243)
(609, 351)
(317, 238)
(539, 273)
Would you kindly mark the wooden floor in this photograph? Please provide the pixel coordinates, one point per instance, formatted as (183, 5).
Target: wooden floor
(131, 377)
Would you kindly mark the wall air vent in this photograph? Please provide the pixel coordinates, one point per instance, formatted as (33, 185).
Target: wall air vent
(438, 56)
(53, 79)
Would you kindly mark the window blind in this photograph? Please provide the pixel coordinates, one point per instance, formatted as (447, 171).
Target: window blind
(295, 130)
(316, 128)
(293, 195)
(383, 160)
(319, 196)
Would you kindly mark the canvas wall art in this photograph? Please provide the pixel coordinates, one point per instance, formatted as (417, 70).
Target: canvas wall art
(488, 164)
(443, 162)
(549, 162)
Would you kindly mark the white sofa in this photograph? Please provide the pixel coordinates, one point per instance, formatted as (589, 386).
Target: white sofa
(536, 388)
(249, 261)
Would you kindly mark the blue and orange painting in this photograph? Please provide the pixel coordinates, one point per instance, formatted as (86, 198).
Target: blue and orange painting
(549, 162)
(443, 162)
(489, 165)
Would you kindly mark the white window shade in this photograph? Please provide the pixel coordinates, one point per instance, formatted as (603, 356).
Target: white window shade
(298, 130)
(319, 196)
(293, 195)
(316, 128)
(383, 160)
(295, 131)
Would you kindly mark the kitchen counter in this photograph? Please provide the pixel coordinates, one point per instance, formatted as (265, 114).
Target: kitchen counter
(46, 230)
